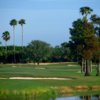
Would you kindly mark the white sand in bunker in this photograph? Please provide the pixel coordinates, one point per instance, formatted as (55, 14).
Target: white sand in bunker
(40, 78)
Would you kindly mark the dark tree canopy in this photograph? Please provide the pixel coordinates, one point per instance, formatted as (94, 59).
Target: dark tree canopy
(83, 38)
(22, 21)
(13, 22)
(85, 11)
(6, 35)
(39, 50)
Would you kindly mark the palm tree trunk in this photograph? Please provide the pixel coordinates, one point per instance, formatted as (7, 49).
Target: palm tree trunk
(22, 36)
(22, 43)
(14, 42)
(5, 51)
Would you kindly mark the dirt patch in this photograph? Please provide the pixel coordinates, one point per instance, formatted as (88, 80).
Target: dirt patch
(81, 88)
(65, 89)
(97, 87)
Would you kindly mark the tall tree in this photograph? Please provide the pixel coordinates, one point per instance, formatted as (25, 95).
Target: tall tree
(85, 11)
(22, 22)
(83, 38)
(96, 21)
(83, 41)
(13, 23)
(6, 37)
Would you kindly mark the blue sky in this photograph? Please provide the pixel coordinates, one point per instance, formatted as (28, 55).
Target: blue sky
(46, 20)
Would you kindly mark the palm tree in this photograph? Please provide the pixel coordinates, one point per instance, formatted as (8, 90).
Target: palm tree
(6, 37)
(13, 23)
(85, 11)
(22, 22)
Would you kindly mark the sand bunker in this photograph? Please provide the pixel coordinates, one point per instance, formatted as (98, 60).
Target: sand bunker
(37, 78)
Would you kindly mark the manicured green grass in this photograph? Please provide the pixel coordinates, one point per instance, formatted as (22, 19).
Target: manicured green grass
(25, 84)
(58, 70)
(54, 70)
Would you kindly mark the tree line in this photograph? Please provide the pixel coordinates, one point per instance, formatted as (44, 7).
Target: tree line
(35, 52)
